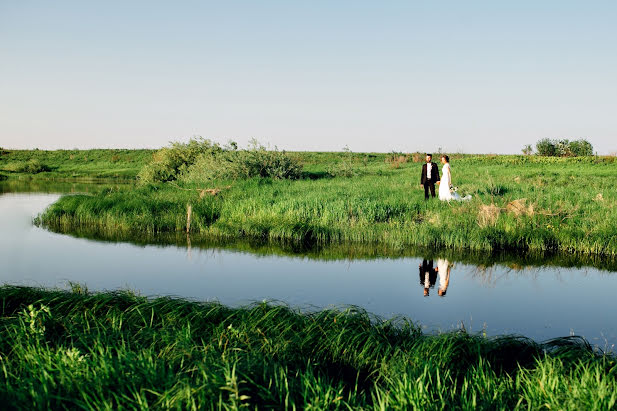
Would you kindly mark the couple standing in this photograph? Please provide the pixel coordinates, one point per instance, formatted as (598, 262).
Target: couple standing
(430, 177)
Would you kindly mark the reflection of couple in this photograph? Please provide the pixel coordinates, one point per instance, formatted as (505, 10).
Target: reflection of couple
(428, 276)
(430, 177)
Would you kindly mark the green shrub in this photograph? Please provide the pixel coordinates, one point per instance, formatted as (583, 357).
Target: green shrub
(564, 148)
(256, 161)
(201, 160)
(32, 166)
(169, 162)
(581, 148)
(546, 147)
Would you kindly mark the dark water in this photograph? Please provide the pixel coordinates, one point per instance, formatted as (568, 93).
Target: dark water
(539, 302)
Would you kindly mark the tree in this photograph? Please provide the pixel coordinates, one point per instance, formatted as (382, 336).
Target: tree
(563, 148)
(581, 148)
(546, 147)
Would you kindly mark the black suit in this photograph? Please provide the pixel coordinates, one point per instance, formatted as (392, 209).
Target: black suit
(429, 183)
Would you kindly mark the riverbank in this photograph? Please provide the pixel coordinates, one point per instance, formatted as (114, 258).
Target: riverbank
(519, 203)
(77, 349)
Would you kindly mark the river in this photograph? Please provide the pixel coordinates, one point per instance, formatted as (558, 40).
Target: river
(539, 302)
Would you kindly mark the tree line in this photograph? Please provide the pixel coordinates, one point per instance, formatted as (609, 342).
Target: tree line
(560, 148)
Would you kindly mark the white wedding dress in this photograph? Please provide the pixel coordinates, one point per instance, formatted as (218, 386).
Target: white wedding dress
(444, 186)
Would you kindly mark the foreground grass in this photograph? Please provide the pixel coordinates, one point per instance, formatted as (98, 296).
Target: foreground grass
(117, 350)
(519, 203)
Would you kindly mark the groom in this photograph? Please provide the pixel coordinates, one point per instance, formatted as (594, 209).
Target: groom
(430, 176)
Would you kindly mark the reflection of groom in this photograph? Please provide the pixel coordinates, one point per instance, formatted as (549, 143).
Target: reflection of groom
(430, 176)
(428, 275)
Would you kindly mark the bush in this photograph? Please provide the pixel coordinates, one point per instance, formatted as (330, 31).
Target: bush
(564, 148)
(170, 162)
(230, 163)
(546, 147)
(581, 148)
(201, 160)
(32, 166)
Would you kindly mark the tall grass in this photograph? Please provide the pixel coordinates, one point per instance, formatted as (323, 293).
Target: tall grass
(519, 203)
(118, 350)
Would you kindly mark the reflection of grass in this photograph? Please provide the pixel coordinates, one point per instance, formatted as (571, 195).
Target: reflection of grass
(60, 186)
(346, 251)
(520, 203)
(119, 350)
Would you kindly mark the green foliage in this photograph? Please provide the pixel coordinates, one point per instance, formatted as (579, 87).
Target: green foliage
(32, 166)
(345, 166)
(200, 161)
(117, 350)
(233, 164)
(581, 148)
(564, 148)
(73, 164)
(170, 162)
(519, 203)
(527, 150)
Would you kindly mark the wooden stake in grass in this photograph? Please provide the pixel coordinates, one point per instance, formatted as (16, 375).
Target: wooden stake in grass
(189, 212)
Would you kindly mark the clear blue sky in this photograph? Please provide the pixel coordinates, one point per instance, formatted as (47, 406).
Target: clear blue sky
(472, 76)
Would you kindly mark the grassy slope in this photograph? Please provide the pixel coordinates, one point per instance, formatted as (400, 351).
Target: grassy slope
(569, 206)
(74, 164)
(114, 350)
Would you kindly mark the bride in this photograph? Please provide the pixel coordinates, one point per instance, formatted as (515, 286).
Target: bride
(446, 192)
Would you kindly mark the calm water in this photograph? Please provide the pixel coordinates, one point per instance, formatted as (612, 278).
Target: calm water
(540, 303)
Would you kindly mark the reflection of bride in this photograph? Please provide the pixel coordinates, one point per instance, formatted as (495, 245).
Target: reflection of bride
(445, 192)
(443, 269)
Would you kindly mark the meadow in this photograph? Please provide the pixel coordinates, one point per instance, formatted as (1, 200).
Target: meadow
(76, 349)
(72, 164)
(520, 203)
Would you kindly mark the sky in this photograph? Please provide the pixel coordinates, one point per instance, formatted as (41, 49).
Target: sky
(463, 76)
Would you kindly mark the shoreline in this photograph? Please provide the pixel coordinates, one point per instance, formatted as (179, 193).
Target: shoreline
(118, 349)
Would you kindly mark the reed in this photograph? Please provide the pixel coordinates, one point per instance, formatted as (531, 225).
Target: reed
(118, 350)
(520, 203)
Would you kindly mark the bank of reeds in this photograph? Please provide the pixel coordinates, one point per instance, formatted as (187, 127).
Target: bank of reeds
(117, 350)
(525, 205)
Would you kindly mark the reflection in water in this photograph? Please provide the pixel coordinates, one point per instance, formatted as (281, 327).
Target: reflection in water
(443, 268)
(429, 274)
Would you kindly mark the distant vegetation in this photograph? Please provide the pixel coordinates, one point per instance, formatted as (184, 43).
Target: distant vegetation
(201, 160)
(72, 164)
(561, 148)
(78, 350)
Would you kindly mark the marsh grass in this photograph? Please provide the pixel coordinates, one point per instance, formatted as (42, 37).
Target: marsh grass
(118, 350)
(569, 206)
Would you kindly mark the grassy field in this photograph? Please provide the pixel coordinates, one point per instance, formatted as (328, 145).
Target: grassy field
(72, 164)
(520, 203)
(117, 350)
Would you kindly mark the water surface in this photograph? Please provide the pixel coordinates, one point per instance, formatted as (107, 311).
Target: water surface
(538, 302)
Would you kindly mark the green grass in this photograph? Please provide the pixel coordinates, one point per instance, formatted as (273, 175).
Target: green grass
(117, 350)
(72, 164)
(535, 204)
